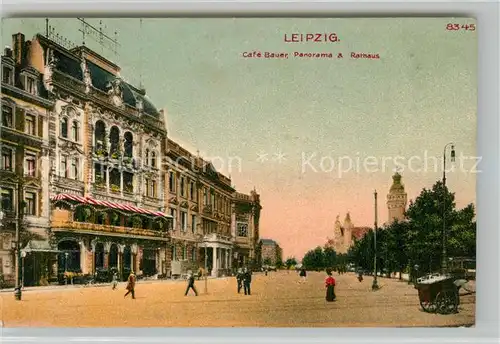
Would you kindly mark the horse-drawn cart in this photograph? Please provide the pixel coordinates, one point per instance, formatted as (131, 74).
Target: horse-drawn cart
(438, 293)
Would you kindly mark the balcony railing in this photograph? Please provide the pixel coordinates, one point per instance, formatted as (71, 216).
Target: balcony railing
(76, 226)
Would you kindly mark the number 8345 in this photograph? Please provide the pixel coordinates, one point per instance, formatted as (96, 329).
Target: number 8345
(466, 27)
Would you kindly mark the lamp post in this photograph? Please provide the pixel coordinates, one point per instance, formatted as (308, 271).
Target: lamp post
(23, 255)
(375, 284)
(444, 261)
(206, 269)
(66, 254)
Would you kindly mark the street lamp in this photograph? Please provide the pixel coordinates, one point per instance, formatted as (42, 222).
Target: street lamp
(206, 269)
(444, 262)
(23, 255)
(375, 284)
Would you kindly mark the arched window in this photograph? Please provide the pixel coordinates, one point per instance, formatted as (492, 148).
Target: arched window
(146, 161)
(114, 139)
(99, 135)
(74, 131)
(153, 159)
(64, 127)
(128, 145)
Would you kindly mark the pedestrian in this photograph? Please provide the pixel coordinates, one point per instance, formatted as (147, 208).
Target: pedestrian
(330, 286)
(265, 270)
(360, 276)
(303, 275)
(131, 285)
(247, 279)
(200, 273)
(239, 279)
(190, 284)
(114, 282)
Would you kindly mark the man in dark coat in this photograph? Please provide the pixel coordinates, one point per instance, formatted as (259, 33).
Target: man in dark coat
(190, 284)
(239, 279)
(247, 279)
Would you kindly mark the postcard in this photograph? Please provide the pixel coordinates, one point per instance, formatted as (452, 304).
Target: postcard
(238, 172)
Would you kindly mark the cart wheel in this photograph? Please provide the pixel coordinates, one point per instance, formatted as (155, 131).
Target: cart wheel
(447, 302)
(428, 306)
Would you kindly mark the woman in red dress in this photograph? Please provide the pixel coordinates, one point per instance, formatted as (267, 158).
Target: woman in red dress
(330, 287)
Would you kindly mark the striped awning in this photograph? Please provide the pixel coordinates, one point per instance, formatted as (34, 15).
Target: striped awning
(113, 205)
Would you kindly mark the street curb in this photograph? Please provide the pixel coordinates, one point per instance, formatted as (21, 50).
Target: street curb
(101, 285)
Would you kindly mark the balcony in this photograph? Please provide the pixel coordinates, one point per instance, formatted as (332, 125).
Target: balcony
(63, 221)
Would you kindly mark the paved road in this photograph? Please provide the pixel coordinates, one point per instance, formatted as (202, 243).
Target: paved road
(277, 300)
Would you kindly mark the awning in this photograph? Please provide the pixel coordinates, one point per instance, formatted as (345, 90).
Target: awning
(113, 205)
(39, 246)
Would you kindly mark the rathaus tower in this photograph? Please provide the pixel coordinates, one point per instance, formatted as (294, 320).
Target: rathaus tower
(396, 199)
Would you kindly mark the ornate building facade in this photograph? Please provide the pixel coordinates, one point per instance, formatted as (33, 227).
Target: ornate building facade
(345, 234)
(245, 229)
(207, 213)
(107, 188)
(106, 180)
(24, 180)
(397, 200)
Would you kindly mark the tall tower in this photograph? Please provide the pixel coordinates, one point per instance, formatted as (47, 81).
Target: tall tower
(396, 199)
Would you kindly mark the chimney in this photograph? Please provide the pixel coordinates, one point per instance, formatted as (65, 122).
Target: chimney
(18, 47)
(7, 51)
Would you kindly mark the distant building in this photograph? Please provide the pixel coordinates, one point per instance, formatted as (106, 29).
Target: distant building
(271, 251)
(396, 200)
(345, 234)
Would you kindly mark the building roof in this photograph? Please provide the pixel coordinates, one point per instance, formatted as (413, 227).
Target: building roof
(268, 242)
(69, 63)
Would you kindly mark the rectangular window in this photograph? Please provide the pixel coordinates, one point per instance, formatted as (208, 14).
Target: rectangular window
(205, 196)
(193, 223)
(74, 168)
(171, 181)
(7, 116)
(184, 253)
(184, 223)
(183, 186)
(7, 75)
(7, 158)
(74, 131)
(174, 252)
(212, 199)
(193, 254)
(63, 169)
(173, 213)
(191, 190)
(7, 199)
(30, 199)
(152, 188)
(30, 165)
(242, 229)
(29, 125)
(30, 85)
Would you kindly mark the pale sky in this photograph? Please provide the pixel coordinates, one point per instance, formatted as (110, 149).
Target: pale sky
(420, 95)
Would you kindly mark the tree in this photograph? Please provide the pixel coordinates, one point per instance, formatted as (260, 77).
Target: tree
(290, 261)
(267, 261)
(330, 257)
(314, 259)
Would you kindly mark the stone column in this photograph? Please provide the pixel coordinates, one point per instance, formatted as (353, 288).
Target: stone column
(83, 256)
(133, 257)
(214, 261)
(230, 260)
(93, 243)
(121, 248)
(107, 246)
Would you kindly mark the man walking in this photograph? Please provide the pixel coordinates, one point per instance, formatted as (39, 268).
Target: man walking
(247, 279)
(239, 279)
(131, 285)
(190, 284)
(115, 280)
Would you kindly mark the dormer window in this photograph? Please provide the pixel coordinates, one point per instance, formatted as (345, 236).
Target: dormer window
(31, 85)
(8, 75)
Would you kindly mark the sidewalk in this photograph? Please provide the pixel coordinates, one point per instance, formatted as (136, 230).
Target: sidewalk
(98, 285)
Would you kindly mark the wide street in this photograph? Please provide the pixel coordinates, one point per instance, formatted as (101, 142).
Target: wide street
(277, 300)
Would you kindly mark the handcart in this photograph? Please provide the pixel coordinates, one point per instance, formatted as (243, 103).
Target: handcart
(438, 293)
